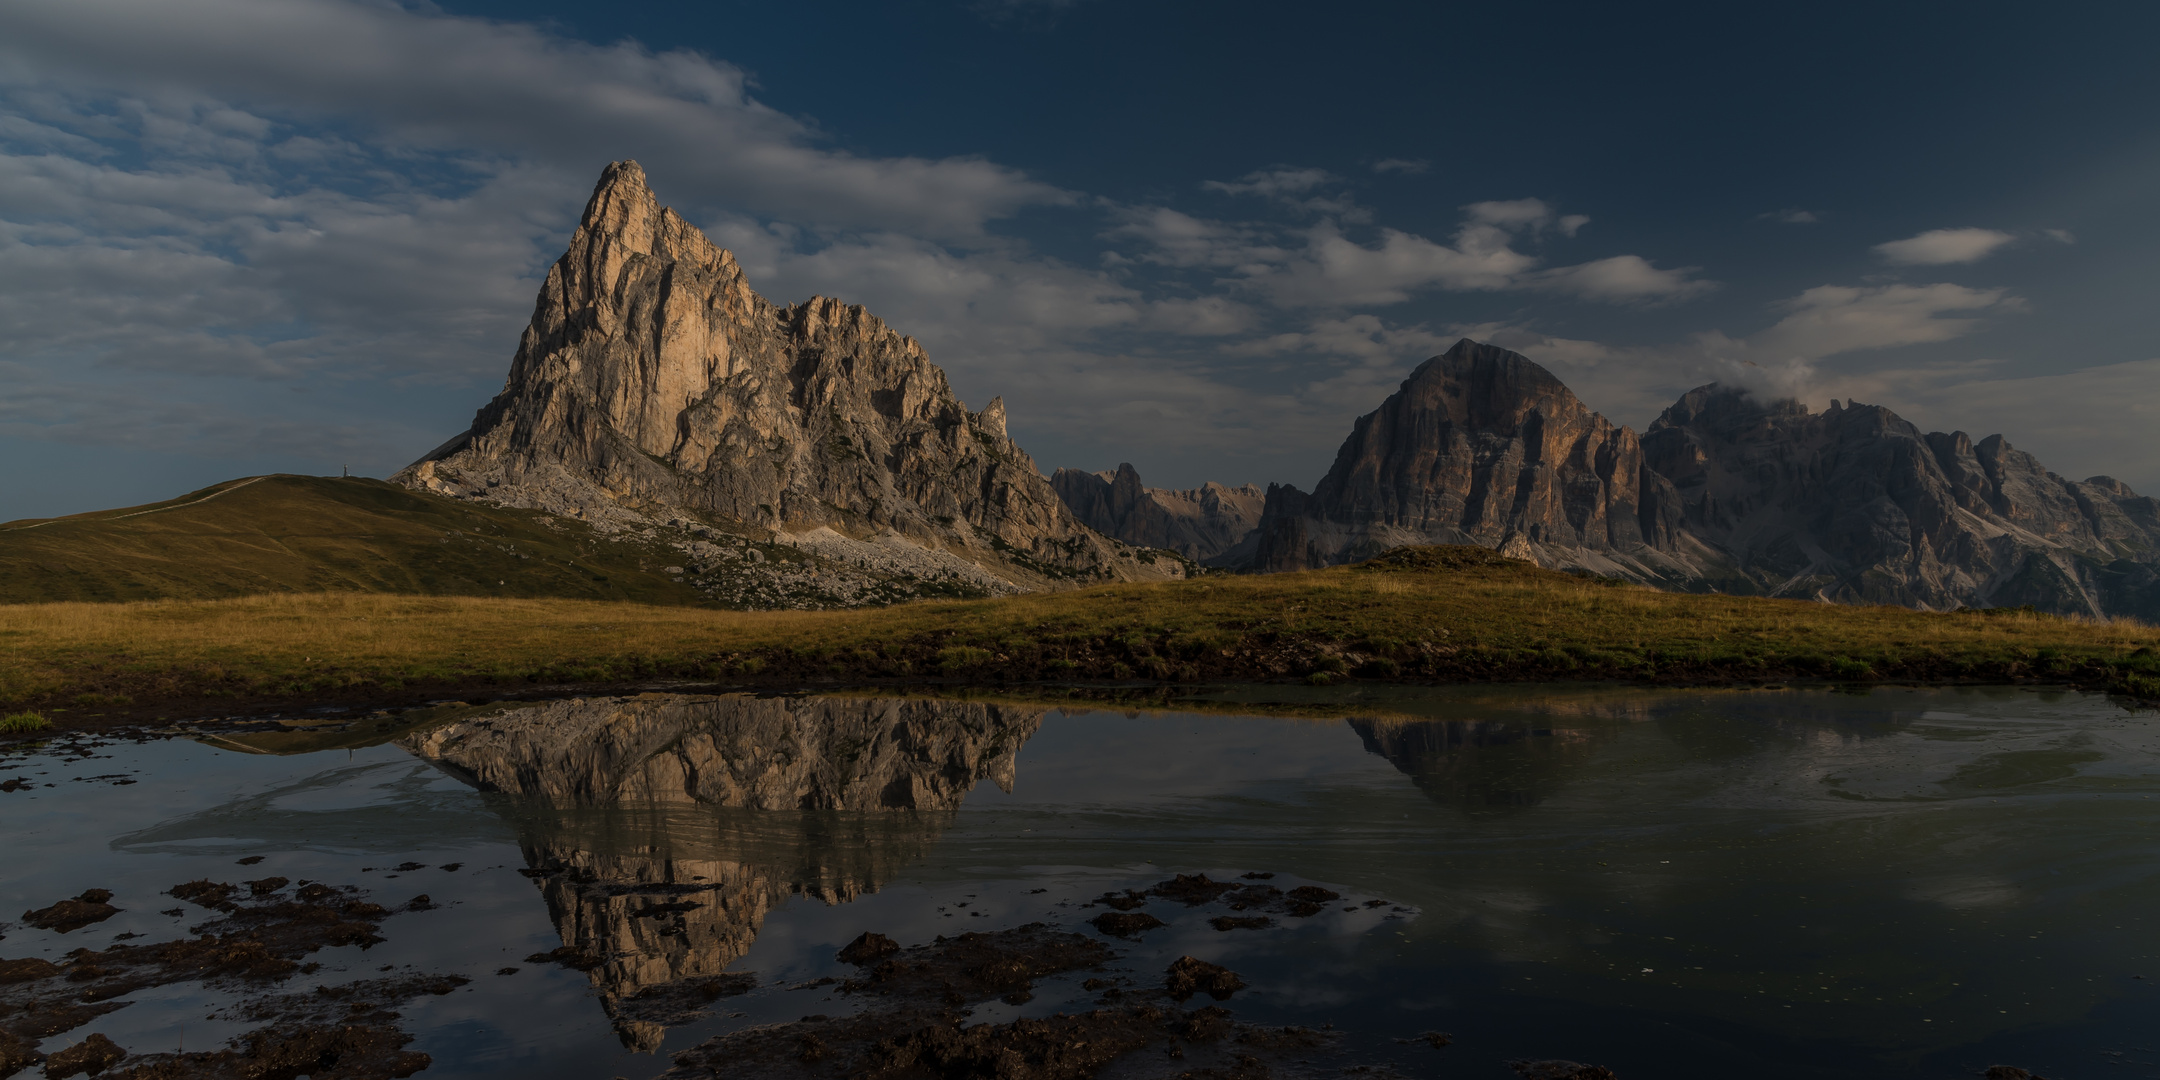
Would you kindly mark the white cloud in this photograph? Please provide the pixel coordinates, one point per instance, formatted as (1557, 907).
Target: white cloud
(1322, 265)
(1178, 239)
(478, 86)
(211, 267)
(1832, 319)
(1333, 269)
(1281, 182)
(1405, 166)
(2063, 236)
(1792, 215)
(1364, 338)
(1940, 247)
(1510, 213)
(1293, 187)
(1623, 278)
(1205, 316)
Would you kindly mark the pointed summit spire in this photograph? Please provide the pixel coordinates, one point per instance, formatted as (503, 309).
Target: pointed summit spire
(653, 380)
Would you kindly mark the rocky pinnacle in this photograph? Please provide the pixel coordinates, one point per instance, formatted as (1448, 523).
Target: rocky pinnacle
(653, 384)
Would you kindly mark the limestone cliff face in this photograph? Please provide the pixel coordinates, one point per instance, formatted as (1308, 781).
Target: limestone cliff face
(663, 829)
(1723, 492)
(1481, 446)
(1855, 504)
(653, 381)
(1202, 524)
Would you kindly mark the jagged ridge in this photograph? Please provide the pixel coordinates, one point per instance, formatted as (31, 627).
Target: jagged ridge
(653, 384)
(1205, 524)
(1724, 493)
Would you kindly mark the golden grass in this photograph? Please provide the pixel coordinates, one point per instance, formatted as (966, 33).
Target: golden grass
(1440, 614)
(22, 722)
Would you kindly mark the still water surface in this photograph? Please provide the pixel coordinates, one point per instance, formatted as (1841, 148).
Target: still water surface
(1671, 884)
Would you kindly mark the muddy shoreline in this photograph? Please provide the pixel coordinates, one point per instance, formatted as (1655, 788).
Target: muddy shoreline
(209, 713)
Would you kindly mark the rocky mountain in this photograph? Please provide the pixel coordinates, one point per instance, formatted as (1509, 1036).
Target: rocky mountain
(1481, 446)
(1857, 505)
(662, 830)
(1204, 524)
(1723, 492)
(655, 389)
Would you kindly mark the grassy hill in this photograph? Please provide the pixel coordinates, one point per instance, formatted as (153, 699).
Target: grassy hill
(309, 534)
(1417, 614)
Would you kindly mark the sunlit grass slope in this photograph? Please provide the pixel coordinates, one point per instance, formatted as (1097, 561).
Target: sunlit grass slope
(1449, 614)
(308, 534)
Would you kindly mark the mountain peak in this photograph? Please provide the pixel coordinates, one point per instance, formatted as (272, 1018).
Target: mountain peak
(1726, 490)
(654, 383)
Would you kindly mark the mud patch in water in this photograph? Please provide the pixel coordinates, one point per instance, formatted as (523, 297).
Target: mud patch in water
(344, 1032)
(918, 999)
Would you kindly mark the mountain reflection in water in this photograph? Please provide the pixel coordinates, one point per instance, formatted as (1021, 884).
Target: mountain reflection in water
(663, 829)
(1700, 883)
(1444, 759)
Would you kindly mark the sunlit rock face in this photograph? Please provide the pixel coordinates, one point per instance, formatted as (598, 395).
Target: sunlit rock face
(1211, 524)
(1724, 492)
(653, 384)
(662, 829)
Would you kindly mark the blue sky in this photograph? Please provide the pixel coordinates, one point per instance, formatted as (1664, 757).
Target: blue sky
(240, 236)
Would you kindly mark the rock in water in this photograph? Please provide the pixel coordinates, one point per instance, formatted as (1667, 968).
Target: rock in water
(1723, 493)
(1211, 524)
(653, 386)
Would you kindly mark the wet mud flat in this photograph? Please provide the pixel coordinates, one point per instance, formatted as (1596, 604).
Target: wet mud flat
(914, 1002)
(912, 1006)
(258, 935)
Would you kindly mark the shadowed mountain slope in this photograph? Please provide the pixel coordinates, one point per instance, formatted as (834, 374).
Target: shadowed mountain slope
(1723, 493)
(323, 534)
(1204, 524)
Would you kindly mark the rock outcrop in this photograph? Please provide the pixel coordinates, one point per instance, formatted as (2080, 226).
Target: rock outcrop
(663, 829)
(654, 386)
(1855, 504)
(1722, 493)
(1211, 524)
(1481, 446)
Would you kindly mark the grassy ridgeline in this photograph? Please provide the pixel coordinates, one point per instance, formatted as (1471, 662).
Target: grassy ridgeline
(1445, 614)
(306, 534)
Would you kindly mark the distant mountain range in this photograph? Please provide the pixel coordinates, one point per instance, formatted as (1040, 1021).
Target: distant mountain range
(666, 432)
(1210, 524)
(1724, 493)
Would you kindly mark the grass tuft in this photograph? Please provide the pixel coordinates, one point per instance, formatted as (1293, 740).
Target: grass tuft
(22, 722)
